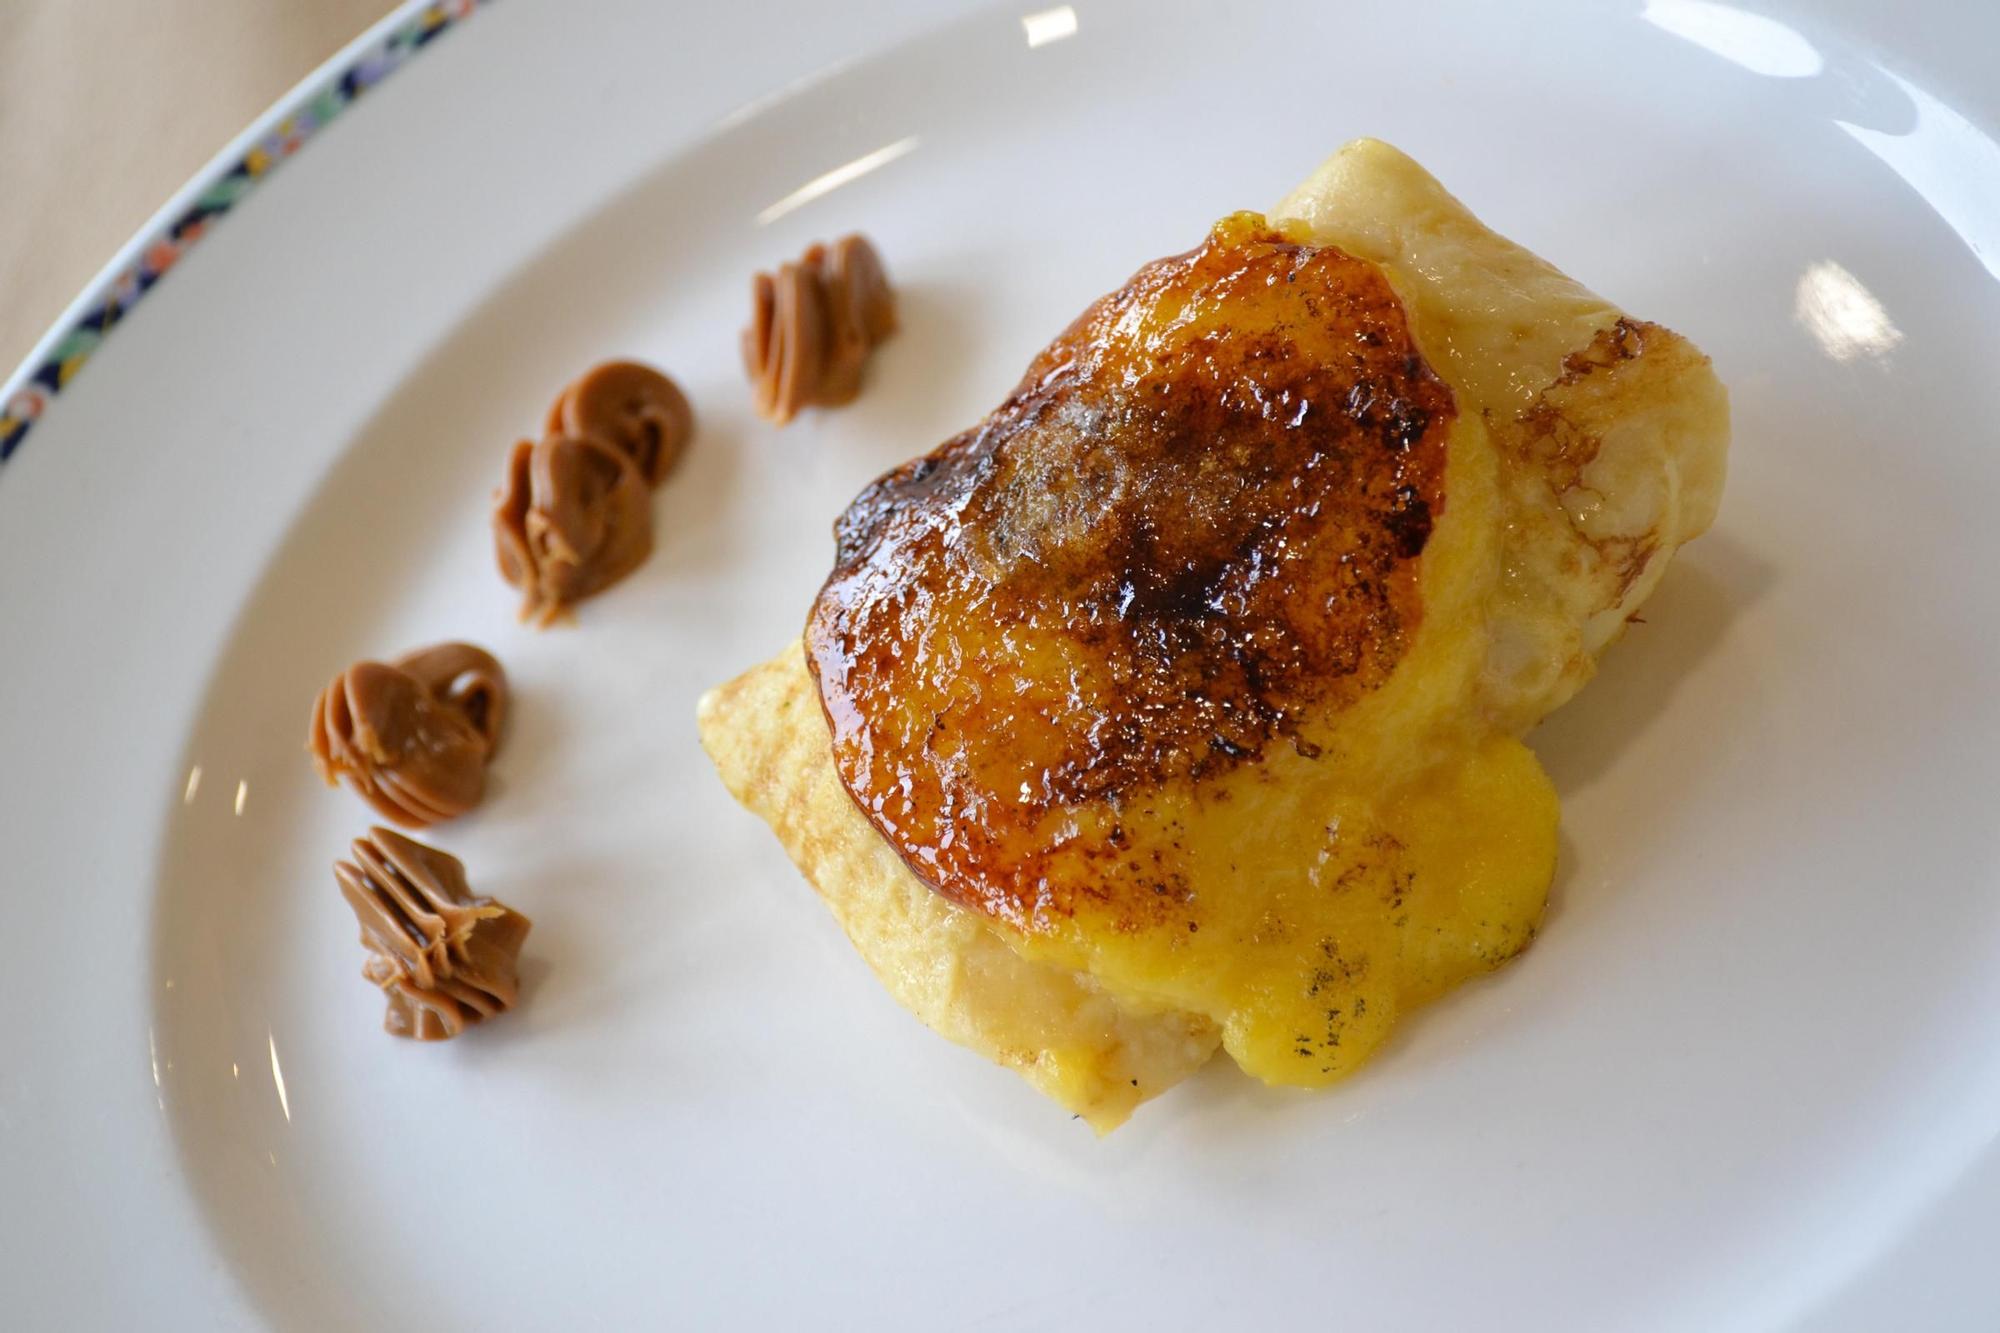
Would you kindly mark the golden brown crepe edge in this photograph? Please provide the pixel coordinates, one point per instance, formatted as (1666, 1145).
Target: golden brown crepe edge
(1095, 1054)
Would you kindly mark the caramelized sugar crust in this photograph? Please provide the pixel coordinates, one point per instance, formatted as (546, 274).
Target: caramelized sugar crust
(1190, 535)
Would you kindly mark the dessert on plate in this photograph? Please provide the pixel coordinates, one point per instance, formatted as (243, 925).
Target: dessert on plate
(1179, 703)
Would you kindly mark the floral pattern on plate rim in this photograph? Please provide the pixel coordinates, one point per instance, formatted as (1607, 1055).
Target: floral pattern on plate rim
(300, 117)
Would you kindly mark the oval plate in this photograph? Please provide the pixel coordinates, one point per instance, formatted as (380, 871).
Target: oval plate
(1747, 1079)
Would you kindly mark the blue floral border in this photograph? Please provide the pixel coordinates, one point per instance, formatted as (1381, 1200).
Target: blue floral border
(309, 111)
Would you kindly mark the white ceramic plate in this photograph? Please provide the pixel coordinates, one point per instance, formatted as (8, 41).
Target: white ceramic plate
(1747, 1079)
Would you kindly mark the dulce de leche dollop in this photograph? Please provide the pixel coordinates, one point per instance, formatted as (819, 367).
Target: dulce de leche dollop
(629, 405)
(444, 958)
(812, 326)
(573, 517)
(413, 736)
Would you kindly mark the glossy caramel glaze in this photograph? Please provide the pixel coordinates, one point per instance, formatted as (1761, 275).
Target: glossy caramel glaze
(1190, 534)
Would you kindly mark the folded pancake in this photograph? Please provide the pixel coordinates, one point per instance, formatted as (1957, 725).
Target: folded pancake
(1179, 701)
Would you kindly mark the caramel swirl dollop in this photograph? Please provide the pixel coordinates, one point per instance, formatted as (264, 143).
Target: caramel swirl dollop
(413, 736)
(573, 517)
(444, 958)
(631, 406)
(812, 326)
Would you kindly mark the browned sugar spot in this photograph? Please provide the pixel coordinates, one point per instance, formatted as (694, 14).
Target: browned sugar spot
(1193, 526)
(1560, 450)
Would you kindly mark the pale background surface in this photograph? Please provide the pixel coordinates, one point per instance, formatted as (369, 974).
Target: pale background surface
(109, 106)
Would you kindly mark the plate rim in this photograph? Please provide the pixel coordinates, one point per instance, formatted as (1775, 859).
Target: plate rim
(377, 52)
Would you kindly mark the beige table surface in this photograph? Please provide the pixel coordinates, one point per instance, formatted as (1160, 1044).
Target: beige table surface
(109, 106)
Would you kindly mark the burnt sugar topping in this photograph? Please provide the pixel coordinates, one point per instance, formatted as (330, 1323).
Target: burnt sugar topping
(1194, 526)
